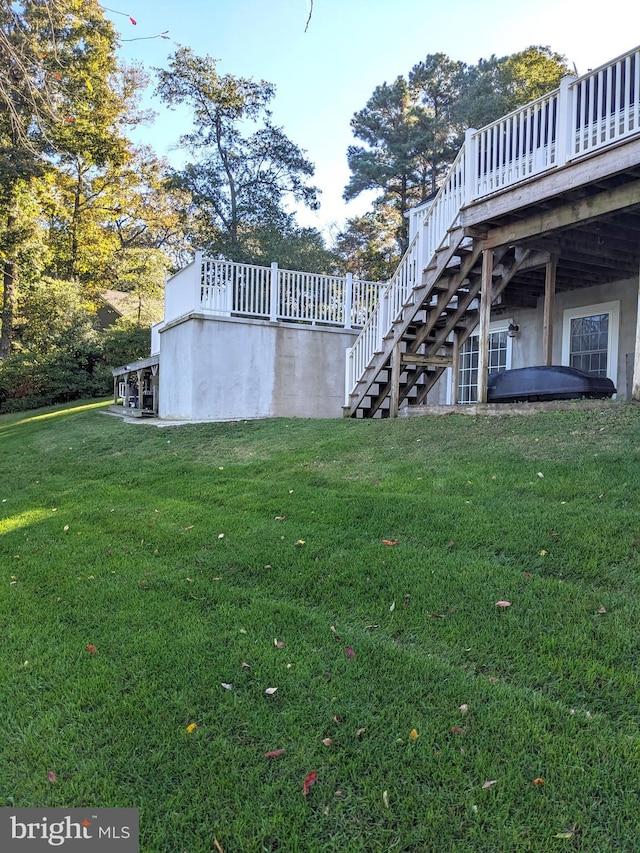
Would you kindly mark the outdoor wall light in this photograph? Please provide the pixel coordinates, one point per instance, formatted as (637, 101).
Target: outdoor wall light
(513, 330)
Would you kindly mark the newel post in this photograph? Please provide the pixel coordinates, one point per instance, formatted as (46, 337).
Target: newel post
(347, 299)
(198, 281)
(566, 123)
(348, 374)
(470, 162)
(274, 295)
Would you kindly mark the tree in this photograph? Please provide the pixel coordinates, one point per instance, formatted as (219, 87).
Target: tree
(435, 83)
(393, 159)
(367, 245)
(413, 129)
(57, 67)
(245, 169)
(497, 86)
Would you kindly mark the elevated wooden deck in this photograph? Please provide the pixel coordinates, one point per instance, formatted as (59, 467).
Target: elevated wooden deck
(546, 199)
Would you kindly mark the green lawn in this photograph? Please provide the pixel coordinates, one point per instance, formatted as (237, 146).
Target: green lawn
(157, 578)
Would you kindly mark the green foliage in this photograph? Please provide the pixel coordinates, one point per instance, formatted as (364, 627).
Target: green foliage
(413, 128)
(246, 169)
(59, 355)
(367, 245)
(124, 341)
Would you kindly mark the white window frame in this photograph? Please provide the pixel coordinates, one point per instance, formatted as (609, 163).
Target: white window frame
(610, 308)
(494, 327)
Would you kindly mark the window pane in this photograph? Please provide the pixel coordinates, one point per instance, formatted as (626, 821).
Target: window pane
(589, 343)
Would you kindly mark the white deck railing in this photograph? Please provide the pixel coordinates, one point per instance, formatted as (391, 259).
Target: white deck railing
(227, 289)
(582, 116)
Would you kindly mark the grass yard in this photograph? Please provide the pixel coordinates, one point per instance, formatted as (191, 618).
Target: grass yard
(175, 603)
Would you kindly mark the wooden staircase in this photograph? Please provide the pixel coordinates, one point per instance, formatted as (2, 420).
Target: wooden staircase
(418, 348)
(433, 325)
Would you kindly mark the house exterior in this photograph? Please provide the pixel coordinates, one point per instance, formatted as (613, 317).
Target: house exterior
(528, 255)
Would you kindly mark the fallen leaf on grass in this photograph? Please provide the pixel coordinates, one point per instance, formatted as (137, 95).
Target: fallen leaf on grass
(385, 799)
(457, 730)
(390, 542)
(349, 652)
(337, 719)
(544, 552)
(392, 607)
(309, 780)
(226, 685)
(437, 615)
(463, 708)
(541, 475)
(51, 776)
(300, 543)
(503, 604)
(360, 732)
(602, 611)
(91, 649)
(192, 727)
(274, 753)
(280, 517)
(270, 691)
(413, 734)
(490, 783)
(568, 832)
(216, 843)
(327, 741)
(538, 781)
(245, 665)
(278, 644)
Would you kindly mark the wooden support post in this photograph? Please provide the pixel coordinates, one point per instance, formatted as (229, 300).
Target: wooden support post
(547, 323)
(115, 390)
(154, 386)
(455, 369)
(483, 330)
(395, 381)
(140, 388)
(635, 388)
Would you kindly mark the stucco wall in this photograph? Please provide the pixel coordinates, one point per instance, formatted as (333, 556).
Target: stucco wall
(228, 369)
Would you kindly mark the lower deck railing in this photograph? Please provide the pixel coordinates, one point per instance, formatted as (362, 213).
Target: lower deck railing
(226, 288)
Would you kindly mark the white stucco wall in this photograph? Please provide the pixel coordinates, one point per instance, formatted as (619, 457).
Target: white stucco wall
(229, 369)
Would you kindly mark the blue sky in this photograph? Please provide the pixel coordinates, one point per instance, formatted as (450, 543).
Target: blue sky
(325, 75)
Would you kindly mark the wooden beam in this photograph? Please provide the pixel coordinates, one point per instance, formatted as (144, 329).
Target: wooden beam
(396, 369)
(455, 368)
(547, 322)
(627, 195)
(426, 360)
(483, 331)
(635, 388)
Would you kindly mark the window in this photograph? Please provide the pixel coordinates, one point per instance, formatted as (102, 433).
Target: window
(499, 359)
(590, 339)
